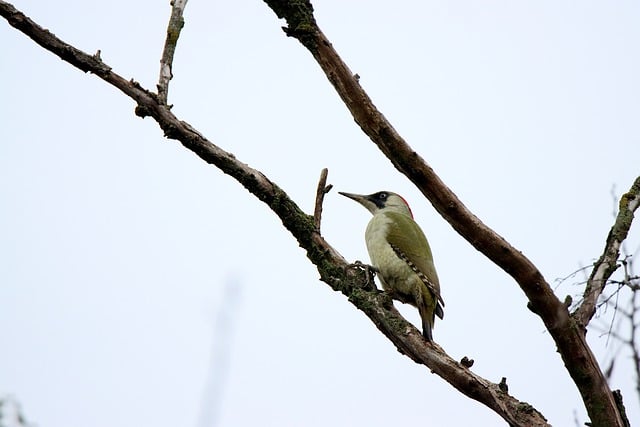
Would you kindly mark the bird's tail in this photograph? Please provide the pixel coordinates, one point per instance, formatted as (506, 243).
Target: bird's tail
(426, 307)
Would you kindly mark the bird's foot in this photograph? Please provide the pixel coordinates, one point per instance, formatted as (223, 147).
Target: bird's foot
(369, 271)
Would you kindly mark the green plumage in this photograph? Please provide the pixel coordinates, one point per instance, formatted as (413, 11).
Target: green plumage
(400, 251)
(401, 255)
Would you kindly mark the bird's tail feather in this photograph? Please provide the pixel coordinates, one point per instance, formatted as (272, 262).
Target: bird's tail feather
(426, 307)
(426, 330)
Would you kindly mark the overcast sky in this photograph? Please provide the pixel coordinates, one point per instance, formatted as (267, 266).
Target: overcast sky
(140, 286)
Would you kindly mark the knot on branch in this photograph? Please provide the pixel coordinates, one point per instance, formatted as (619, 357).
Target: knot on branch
(503, 385)
(467, 362)
(142, 111)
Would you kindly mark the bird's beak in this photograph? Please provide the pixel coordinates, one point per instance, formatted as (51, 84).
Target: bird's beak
(357, 197)
(362, 199)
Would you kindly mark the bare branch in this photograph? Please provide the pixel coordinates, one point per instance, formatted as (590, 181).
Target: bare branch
(633, 336)
(176, 22)
(332, 267)
(322, 189)
(627, 327)
(570, 341)
(608, 262)
(409, 341)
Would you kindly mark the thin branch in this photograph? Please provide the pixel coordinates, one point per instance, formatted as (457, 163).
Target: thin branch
(570, 341)
(333, 268)
(629, 317)
(560, 280)
(322, 189)
(608, 262)
(633, 336)
(176, 22)
(632, 341)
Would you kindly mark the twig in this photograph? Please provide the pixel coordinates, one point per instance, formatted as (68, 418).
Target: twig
(176, 22)
(560, 280)
(632, 317)
(608, 262)
(321, 190)
(633, 344)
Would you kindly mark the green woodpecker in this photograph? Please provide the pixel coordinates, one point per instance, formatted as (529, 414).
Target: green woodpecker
(401, 255)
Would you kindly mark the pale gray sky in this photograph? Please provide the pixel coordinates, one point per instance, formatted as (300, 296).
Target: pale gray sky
(119, 246)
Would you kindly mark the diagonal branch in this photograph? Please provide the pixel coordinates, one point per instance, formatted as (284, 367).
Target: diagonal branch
(176, 22)
(570, 341)
(332, 267)
(608, 262)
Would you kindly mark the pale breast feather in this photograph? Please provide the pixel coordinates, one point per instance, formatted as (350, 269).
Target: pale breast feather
(376, 239)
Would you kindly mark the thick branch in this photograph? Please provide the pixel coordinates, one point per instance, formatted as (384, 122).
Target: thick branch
(578, 359)
(332, 267)
(176, 22)
(608, 262)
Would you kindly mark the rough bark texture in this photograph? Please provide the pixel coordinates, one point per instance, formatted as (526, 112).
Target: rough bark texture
(607, 264)
(176, 22)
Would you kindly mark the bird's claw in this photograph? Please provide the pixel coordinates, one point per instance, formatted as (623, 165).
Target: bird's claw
(369, 271)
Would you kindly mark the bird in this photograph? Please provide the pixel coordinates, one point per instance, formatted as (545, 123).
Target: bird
(401, 256)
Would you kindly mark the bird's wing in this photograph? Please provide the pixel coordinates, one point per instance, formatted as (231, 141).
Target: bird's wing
(410, 244)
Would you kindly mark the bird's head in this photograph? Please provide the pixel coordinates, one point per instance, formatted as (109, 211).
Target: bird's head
(381, 200)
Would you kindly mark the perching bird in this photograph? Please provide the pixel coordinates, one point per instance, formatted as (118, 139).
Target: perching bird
(401, 255)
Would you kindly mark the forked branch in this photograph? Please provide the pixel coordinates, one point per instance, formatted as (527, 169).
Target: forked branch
(333, 268)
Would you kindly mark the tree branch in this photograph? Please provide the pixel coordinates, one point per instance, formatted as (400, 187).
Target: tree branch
(570, 341)
(607, 264)
(321, 190)
(176, 22)
(333, 268)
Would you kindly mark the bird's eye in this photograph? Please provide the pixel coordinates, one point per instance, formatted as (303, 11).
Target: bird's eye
(382, 196)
